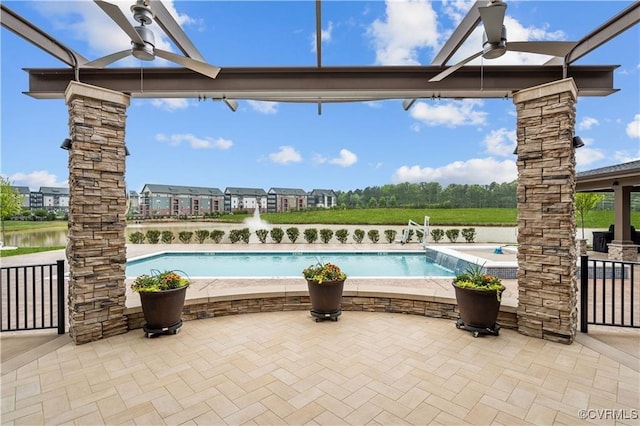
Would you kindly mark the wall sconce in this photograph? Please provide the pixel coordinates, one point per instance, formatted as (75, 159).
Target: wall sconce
(577, 142)
(66, 145)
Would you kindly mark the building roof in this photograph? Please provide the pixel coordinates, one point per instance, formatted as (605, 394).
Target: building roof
(48, 190)
(605, 178)
(23, 190)
(182, 190)
(245, 191)
(287, 191)
(328, 192)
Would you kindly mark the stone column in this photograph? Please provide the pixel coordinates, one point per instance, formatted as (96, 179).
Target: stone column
(547, 283)
(622, 247)
(96, 249)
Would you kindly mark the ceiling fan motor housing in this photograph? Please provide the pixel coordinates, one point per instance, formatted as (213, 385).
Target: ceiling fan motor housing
(496, 49)
(144, 51)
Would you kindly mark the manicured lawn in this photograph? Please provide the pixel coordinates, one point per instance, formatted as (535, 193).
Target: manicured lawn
(27, 250)
(20, 225)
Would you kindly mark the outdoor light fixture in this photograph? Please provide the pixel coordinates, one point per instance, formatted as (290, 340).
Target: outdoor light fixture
(66, 145)
(577, 142)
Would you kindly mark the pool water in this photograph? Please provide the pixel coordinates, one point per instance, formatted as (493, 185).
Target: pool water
(289, 264)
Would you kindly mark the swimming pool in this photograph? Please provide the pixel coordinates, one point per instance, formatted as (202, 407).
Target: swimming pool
(271, 264)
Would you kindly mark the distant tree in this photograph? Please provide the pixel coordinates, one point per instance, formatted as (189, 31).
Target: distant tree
(585, 202)
(10, 202)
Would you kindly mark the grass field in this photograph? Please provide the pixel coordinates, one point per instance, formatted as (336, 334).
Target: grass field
(27, 250)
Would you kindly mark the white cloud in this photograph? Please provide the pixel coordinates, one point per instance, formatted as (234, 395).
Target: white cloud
(36, 179)
(587, 123)
(481, 171)
(319, 159)
(346, 158)
(170, 104)
(325, 36)
(264, 107)
(500, 142)
(287, 154)
(587, 155)
(633, 128)
(87, 23)
(409, 25)
(194, 141)
(449, 113)
(625, 156)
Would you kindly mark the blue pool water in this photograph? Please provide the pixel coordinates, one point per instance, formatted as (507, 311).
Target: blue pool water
(289, 264)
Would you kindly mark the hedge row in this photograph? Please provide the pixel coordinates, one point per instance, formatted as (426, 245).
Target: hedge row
(310, 235)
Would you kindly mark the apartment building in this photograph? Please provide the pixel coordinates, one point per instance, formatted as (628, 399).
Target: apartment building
(286, 199)
(174, 200)
(244, 199)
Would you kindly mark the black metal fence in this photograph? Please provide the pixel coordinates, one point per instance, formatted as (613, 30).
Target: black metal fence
(609, 293)
(33, 297)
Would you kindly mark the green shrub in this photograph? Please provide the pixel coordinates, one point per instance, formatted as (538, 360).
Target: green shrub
(167, 237)
(293, 233)
(390, 235)
(153, 236)
(245, 234)
(420, 236)
(326, 235)
(216, 235)
(311, 235)
(185, 236)
(201, 235)
(342, 235)
(235, 235)
(358, 235)
(137, 237)
(277, 234)
(410, 235)
(437, 234)
(469, 234)
(262, 235)
(452, 234)
(373, 235)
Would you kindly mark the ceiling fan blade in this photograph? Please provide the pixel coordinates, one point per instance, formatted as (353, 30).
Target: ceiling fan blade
(192, 64)
(233, 105)
(408, 103)
(493, 19)
(165, 20)
(109, 59)
(119, 18)
(454, 68)
(553, 48)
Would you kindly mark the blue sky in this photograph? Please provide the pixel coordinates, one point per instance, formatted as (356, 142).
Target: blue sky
(264, 145)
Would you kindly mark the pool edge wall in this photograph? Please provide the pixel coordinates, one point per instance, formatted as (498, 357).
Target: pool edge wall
(385, 302)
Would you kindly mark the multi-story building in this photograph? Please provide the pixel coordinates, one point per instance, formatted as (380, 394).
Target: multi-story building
(174, 200)
(322, 198)
(286, 199)
(54, 199)
(244, 199)
(134, 202)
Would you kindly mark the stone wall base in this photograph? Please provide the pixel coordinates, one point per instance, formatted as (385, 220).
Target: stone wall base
(623, 252)
(210, 309)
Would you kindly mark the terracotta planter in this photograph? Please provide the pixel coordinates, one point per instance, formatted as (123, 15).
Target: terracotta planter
(163, 310)
(326, 299)
(478, 308)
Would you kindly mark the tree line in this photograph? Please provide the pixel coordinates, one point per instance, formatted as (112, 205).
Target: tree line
(431, 195)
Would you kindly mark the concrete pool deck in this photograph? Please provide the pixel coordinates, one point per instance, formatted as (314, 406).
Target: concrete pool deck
(283, 368)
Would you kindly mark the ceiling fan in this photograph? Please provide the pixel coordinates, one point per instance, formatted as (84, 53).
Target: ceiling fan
(495, 44)
(143, 40)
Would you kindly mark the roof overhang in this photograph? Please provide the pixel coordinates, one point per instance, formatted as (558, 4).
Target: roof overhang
(606, 178)
(326, 84)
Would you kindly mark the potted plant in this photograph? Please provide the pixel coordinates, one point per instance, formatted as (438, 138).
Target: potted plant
(478, 296)
(162, 297)
(325, 282)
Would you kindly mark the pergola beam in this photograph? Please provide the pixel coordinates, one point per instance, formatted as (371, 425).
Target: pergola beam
(326, 84)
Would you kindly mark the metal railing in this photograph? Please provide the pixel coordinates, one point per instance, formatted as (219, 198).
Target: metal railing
(32, 297)
(609, 293)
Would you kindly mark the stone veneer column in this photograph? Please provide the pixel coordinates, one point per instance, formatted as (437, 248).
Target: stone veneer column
(547, 283)
(96, 249)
